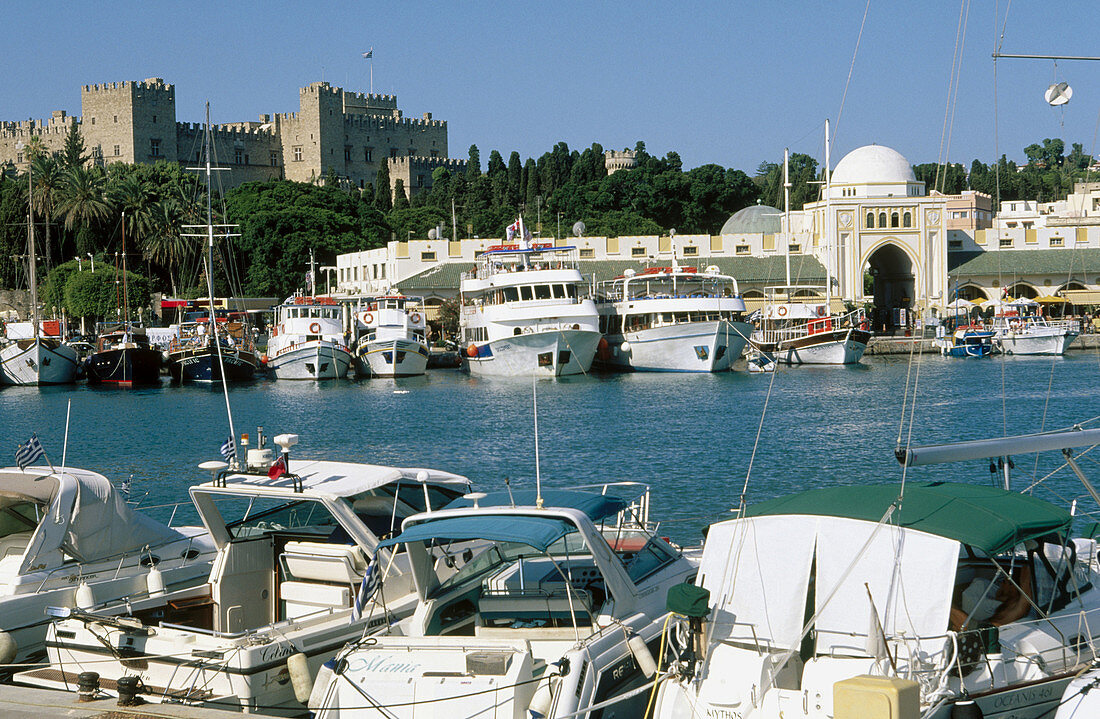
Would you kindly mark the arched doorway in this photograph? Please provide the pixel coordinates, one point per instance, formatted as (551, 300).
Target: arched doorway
(891, 281)
(972, 293)
(1022, 290)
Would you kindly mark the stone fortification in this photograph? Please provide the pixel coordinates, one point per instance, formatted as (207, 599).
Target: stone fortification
(416, 172)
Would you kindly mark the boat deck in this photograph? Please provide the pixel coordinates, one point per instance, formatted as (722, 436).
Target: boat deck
(30, 703)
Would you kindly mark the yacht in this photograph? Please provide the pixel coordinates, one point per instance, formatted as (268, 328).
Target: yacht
(523, 313)
(557, 614)
(797, 327)
(32, 353)
(949, 599)
(392, 337)
(295, 542)
(965, 341)
(1018, 330)
(123, 357)
(68, 537)
(307, 341)
(671, 319)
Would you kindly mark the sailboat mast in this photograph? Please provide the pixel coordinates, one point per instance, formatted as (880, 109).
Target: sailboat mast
(125, 292)
(209, 222)
(312, 273)
(828, 229)
(787, 210)
(31, 269)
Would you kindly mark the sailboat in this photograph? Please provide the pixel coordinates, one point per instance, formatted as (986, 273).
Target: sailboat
(797, 325)
(219, 345)
(28, 354)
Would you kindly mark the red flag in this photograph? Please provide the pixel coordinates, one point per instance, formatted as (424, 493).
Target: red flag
(278, 469)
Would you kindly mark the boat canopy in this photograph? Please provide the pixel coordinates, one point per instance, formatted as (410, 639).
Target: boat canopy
(596, 506)
(537, 532)
(990, 519)
(87, 518)
(342, 479)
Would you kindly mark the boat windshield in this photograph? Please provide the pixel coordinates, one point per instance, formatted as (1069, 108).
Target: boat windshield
(17, 515)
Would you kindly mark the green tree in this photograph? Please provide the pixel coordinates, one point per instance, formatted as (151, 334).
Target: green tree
(99, 294)
(473, 165)
(400, 198)
(47, 178)
(82, 204)
(513, 191)
(73, 153)
(383, 197)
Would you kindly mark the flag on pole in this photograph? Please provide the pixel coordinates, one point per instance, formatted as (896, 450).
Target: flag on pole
(278, 469)
(229, 450)
(28, 452)
(367, 589)
(513, 230)
(368, 54)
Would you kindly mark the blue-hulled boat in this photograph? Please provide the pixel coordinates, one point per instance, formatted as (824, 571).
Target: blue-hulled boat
(967, 341)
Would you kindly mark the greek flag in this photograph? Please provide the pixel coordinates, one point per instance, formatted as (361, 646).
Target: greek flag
(28, 452)
(229, 450)
(367, 589)
(368, 54)
(126, 486)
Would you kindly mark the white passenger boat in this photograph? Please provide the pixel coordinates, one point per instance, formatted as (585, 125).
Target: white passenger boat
(940, 599)
(68, 538)
(671, 319)
(523, 313)
(554, 617)
(307, 341)
(1018, 330)
(292, 551)
(797, 327)
(392, 337)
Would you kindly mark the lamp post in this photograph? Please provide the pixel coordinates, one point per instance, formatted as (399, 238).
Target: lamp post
(79, 264)
(92, 258)
(559, 227)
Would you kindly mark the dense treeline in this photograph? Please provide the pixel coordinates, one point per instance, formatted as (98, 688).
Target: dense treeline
(80, 208)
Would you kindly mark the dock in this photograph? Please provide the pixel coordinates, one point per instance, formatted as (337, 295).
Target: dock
(30, 703)
(905, 345)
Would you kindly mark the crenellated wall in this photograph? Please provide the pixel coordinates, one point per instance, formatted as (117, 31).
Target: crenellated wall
(416, 172)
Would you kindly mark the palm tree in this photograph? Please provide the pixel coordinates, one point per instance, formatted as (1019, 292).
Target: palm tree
(132, 196)
(82, 202)
(47, 179)
(163, 243)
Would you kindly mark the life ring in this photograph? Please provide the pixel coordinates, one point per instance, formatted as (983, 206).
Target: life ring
(415, 318)
(315, 328)
(781, 311)
(368, 318)
(471, 350)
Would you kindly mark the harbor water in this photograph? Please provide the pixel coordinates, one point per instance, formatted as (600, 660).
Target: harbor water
(691, 437)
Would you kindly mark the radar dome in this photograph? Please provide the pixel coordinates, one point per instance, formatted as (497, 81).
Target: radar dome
(754, 219)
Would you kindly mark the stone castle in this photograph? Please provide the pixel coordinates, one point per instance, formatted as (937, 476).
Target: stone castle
(334, 132)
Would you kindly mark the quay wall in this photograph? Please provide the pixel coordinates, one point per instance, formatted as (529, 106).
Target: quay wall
(905, 345)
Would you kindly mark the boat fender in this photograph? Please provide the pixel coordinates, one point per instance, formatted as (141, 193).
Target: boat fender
(154, 580)
(320, 685)
(8, 648)
(625, 346)
(543, 699)
(642, 656)
(471, 351)
(300, 679)
(85, 597)
(966, 710)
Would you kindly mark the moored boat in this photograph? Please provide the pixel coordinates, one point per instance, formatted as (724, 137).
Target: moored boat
(30, 357)
(797, 326)
(123, 357)
(204, 350)
(392, 337)
(1019, 330)
(307, 341)
(966, 341)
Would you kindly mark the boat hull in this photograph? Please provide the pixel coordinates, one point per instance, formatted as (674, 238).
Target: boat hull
(391, 358)
(311, 360)
(836, 347)
(37, 361)
(555, 353)
(1032, 343)
(124, 367)
(689, 347)
(201, 365)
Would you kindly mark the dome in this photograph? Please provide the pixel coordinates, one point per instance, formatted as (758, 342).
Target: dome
(752, 219)
(873, 164)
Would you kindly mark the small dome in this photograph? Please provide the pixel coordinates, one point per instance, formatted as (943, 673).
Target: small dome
(752, 219)
(873, 164)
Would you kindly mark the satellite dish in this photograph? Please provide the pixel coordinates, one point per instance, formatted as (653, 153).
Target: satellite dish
(1058, 94)
(432, 234)
(628, 272)
(578, 229)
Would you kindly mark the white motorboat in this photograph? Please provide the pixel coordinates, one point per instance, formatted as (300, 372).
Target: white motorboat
(957, 600)
(69, 538)
(292, 550)
(307, 341)
(1020, 331)
(28, 357)
(556, 615)
(671, 319)
(392, 337)
(523, 313)
(797, 327)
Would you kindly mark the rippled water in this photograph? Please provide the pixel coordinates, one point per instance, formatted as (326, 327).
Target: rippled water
(690, 437)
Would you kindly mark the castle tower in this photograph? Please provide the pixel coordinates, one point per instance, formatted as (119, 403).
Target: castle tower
(615, 160)
(130, 121)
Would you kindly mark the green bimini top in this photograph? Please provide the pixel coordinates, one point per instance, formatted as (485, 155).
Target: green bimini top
(986, 518)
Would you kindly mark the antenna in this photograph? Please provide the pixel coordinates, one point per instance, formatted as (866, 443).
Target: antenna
(1058, 94)
(538, 475)
(578, 229)
(787, 209)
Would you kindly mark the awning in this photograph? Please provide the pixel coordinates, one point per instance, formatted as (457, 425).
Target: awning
(537, 532)
(1082, 297)
(990, 519)
(596, 506)
(836, 306)
(1048, 300)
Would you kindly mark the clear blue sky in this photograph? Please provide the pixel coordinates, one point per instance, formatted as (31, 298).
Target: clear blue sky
(726, 82)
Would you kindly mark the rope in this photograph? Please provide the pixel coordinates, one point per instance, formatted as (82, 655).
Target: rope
(851, 68)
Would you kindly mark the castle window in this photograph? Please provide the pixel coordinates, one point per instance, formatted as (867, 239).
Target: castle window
(368, 155)
(954, 244)
(870, 219)
(435, 153)
(412, 152)
(297, 154)
(882, 219)
(347, 153)
(154, 148)
(742, 249)
(19, 157)
(1006, 242)
(154, 119)
(893, 219)
(1056, 242)
(246, 158)
(691, 250)
(274, 158)
(116, 118)
(907, 219)
(238, 157)
(419, 180)
(93, 120)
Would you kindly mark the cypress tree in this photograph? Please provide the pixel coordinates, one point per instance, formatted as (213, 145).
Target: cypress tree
(515, 180)
(383, 199)
(400, 199)
(473, 165)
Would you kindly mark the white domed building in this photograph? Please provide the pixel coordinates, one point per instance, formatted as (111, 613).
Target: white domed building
(880, 221)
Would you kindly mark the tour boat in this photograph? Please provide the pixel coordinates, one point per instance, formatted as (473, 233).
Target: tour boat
(671, 319)
(31, 355)
(123, 357)
(308, 340)
(194, 355)
(295, 543)
(934, 598)
(797, 327)
(68, 538)
(1018, 330)
(966, 341)
(392, 337)
(563, 610)
(523, 313)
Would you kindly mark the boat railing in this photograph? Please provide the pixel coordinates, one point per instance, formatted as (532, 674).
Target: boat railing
(797, 329)
(187, 555)
(637, 495)
(539, 258)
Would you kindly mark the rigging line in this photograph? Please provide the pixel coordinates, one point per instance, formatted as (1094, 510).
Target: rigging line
(912, 411)
(952, 90)
(851, 68)
(955, 96)
(759, 430)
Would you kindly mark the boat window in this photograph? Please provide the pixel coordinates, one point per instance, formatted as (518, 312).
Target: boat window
(17, 515)
(616, 325)
(525, 292)
(682, 317)
(377, 509)
(559, 292)
(572, 291)
(603, 324)
(261, 515)
(666, 318)
(642, 561)
(511, 294)
(542, 292)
